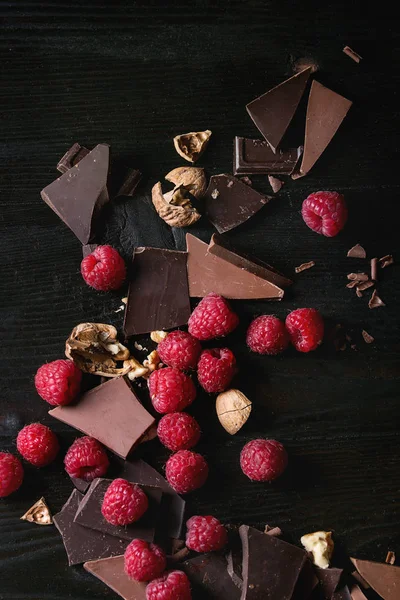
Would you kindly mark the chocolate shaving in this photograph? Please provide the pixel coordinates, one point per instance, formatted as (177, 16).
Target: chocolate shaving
(360, 580)
(180, 555)
(305, 266)
(365, 285)
(357, 251)
(358, 292)
(375, 301)
(352, 284)
(358, 276)
(275, 183)
(374, 269)
(386, 260)
(72, 157)
(274, 531)
(368, 339)
(352, 54)
(390, 558)
(39, 513)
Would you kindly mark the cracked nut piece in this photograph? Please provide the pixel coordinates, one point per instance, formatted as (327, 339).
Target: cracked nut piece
(135, 369)
(320, 545)
(233, 410)
(158, 336)
(152, 362)
(174, 215)
(39, 513)
(192, 178)
(192, 145)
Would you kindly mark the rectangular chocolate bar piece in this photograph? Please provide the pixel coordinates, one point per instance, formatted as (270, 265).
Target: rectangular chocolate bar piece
(111, 572)
(255, 156)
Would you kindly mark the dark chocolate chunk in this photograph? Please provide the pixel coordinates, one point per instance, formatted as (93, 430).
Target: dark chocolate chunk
(383, 578)
(84, 544)
(255, 156)
(329, 580)
(111, 572)
(306, 583)
(275, 183)
(88, 249)
(72, 157)
(158, 296)
(375, 301)
(129, 183)
(352, 54)
(80, 484)
(209, 576)
(357, 251)
(272, 112)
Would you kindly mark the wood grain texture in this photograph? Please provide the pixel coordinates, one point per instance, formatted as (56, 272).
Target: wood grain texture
(135, 74)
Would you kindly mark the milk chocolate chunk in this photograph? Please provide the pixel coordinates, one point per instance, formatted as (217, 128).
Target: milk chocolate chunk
(84, 544)
(255, 156)
(111, 413)
(158, 296)
(80, 193)
(271, 567)
(89, 513)
(383, 578)
(272, 112)
(111, 572)
(329, 580)
(229, 202)
(209, 577)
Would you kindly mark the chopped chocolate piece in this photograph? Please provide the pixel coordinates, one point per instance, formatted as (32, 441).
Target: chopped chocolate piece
(271, 567)
(385, 261)
(88, 249)
(326, 111)
(234, 568)
(255, 156)
(356, 593)
(79, 194)
(360, 580)
(390, 558)
(179, 555)
(158, 296)
(374, 269)
(209, 576)
(383, 578)
(306, 583)
(84, 544)
(358, 277)
(375, 301)
(111, 572)
(130, 182)
(368, 339)
(357, 251)
(275, 183)
(343, 594)
(229, 202)
(81, 484)
(276, 531)
(39, 513)
(246, 180)
(273, 111)
(328, 579)
(111, 413)
(365, 285)
(353, 55)
(305, 266)
(72, 157)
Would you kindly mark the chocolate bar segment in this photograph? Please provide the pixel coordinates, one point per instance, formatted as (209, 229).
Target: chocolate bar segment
(111, 572)
(209, 576)
(383, 578)
(255, 156)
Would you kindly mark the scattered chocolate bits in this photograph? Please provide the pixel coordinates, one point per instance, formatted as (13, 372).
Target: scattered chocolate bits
(375, 301)
(352, 54)
(385, 261)
(357, 251)
(368, 339)
(275, 183)
(390, 558)
(305, 266)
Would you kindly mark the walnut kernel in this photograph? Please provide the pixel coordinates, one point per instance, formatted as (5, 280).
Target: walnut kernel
(320, 545)
(158, 336)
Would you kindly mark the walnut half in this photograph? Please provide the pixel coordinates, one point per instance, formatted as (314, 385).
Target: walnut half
(174, 215)
(192, 178)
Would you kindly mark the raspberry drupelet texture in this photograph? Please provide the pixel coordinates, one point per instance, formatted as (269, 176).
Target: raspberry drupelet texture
(37, 444)
(11, 474)
(180, 350)
(104, 269)
(263, 460)
(306, 329)
(144, 561)
(212, 318)
(216, 369)
(86, 459)
(205, 534)
(267, 335)
(124, 503)
(186, 471)
(325, 213)
(171, 390)
(178, 431)
(58, 382)
(172, 586)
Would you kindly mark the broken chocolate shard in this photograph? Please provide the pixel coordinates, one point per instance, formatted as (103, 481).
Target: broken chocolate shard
(383, 578)
(39, 513)
(357, 251)
(158, 296)
(306, 583)
(329, 580)
(129, 183)
(305, 266)
(375, 301)
(72, 157)
(80, 484)
(352, 54)
(111, 413)
(390, 556)
(111, 572)
(368, 339)
(275, 183)
(209, 577)
(79, 194)
(82, 544)
(385, 261)
(255, 156)
(273, 111)
(356, 593)
(88, 249)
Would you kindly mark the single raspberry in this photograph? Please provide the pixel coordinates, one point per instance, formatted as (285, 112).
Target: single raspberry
(124, 503)
(171, 390)
(263, 460)
(325, 212)
(144, 561)
(180, 350)
(37, 444)
(11, 474)
(58, 382)
(205, 534)
(306, 329)
(172, 586)
(186, 471)
(267, 335)
(86, 459)
(216, 369)
(212, 317)
(104, 269)
(178, 431)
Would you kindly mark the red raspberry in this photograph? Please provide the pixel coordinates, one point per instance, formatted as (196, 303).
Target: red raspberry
(325, 212)
(11, 474)
(171, 390)
(172, 586)
(104, 269)
(306, 329)
(178, 431)
(180, 350)
(267, 335)
(205, 534)
(186, 471)
(216, 369)
(37, 444)
(86, 459)
(58, 382)
(212, 317)
(144, 561)
(263, 460)
(124, 503)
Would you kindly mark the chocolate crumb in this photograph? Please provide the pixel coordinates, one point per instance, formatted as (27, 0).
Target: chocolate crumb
(246, 180)
(390, 558)
(374, 269)
(360, 580)
(275, 183)
(386, 260)
(375, 301)
(305, 266)
(368, 339)
(352, 54)
(357, 251)
(358, 276)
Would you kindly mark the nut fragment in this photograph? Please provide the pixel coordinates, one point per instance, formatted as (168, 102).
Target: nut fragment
(135, 369)
(320, 545)
(233, 410)
(152, 362)
(39, 513)
(192, 178)
(158, 336)
(173, 215)
(192, 145)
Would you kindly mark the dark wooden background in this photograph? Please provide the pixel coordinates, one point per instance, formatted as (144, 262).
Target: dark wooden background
(134, 74)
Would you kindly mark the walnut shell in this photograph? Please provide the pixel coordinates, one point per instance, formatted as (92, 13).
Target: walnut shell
(175, 216)
(233, 410)
(192, 145)
(192, 178)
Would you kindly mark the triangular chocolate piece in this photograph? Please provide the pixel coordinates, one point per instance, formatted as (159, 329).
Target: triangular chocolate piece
(329, 580)
(383, 578)
(79, 194)
(210, 578)
(111, 572)
(306, 583)
(273, 111)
